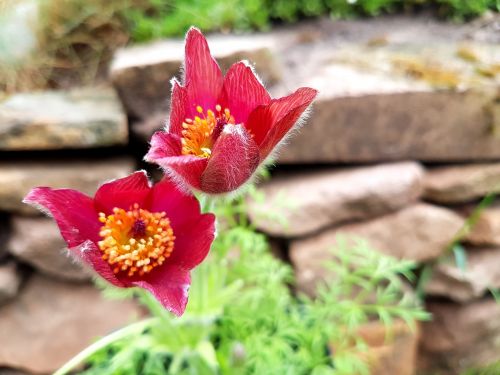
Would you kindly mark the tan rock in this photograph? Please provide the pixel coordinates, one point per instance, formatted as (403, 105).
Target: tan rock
(37, 241)
(307, 202)
(10, 281)
(82, 118)
(142, 73)
(460, 337)
(486, 230)
(482, 272)
(392, 351)
(18, 178)
(462, 183)
(50, 322)
(420, 232)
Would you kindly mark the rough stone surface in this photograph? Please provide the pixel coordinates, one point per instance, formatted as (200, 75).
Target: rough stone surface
(420, 232)
(486, 230)
(462, 183)
(37, 241)
(460, 337)
(18, 178)
(142, 73)
(83, 118)
(50, 322)
(10, 281)
(308, 202)
(482, 272)
(390, 352)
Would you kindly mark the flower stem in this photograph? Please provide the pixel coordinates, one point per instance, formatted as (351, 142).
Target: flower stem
(103, 342)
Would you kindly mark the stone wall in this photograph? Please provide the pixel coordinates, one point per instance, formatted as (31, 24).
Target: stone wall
(400, 146)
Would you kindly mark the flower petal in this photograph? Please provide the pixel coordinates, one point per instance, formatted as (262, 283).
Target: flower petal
(163, 145)
(203, 77)
(73, 212)
(181, 208)
(122, 192)
(235, 157)
(242, 91)
(178, 103)
(90, 254)
(192, 241)
(169, 285)
(185, 170)
(269, 124)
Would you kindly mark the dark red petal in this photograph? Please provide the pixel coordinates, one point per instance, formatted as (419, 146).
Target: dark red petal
(178, 103)
(163, 145)
(235, 157)
(242, 92)
(203, 77)
(193, 241)
(185, 170)
(122, 192)
(169, 284)
(264, 118)
(73, 212)
(91, 255)
(181, 208)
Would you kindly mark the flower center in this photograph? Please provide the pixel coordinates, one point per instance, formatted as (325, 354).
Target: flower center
(135, 241)
(199, 135)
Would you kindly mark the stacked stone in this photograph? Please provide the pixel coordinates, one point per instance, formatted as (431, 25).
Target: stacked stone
(394, 101)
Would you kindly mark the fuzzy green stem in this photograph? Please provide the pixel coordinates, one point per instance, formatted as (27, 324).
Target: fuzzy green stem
(104, 342)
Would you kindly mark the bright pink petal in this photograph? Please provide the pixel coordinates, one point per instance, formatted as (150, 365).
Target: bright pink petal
(91, 255)
(122, 192)
(234, 158)
(203, 77)
(178, 103)
(163, 145)
(73, 212)
(268, 124)
(186, 170)
(242, 92)
(180, 207)
(169, 284)
(193, 241)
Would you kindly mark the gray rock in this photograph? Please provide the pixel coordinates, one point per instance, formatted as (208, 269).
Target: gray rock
(50, 120)
(486, 230)
(463, 183)
(460, 337)
(18, 178)
(50, 322)
(142, 73)
(482, 272)
(307, 202)
(37, 241)
(420, 232)
(10, 281)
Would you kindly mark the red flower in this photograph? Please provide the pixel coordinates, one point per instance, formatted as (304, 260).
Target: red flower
(133, 234)
(221, 128)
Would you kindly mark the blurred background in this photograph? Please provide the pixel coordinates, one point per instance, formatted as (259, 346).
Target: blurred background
(402, 148)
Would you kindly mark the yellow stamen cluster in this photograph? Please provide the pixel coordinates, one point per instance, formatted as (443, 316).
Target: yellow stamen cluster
(135, 241)
(197, 134)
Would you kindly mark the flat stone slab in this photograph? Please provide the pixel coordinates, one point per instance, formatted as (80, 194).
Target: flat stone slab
(307, 202)
(486, 230)
(420, 232)
(50, 322)
(481, 273)
(461, 183)
(142, 73)
(52, 120)
(18, 178)
(460, 337)
(38, 242)
(394, 89)
(10, 281)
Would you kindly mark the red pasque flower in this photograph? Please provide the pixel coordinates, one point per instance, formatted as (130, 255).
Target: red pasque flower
(221, 128)
(133, 234)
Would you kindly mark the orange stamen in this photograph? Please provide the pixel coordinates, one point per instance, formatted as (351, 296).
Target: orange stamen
(135, 241)
(197, 133)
